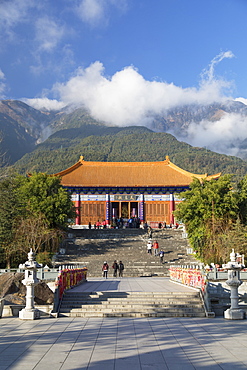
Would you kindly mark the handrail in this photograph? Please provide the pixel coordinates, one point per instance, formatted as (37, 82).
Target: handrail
(68, 278)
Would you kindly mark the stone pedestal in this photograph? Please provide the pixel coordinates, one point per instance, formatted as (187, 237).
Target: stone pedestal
(29, 312)
(29, 315)
(237, 314)
(1, 306)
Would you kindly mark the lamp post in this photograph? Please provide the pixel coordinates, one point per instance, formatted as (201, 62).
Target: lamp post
(30, 280)
(234, 267)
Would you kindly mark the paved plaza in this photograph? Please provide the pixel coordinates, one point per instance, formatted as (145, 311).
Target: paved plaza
(135, 284)
(123, 343)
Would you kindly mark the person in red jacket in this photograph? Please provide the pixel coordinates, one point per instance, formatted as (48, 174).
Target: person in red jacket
(105, 269)
(156, 248)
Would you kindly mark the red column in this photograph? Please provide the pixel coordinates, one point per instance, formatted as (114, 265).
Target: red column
(78, 209)
(172, 208)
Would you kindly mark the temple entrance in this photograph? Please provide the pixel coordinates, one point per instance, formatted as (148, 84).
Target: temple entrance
(115, 209)
(129, 209)
(133, 209)
(124, 210)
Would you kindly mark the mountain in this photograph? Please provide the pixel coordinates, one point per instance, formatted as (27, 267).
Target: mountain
(34, 140)
(21, 127)
(177, 120)
(124, 144)
(14, 141)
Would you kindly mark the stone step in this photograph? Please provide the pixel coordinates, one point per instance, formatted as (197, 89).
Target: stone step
(91, 247)
(136, 309)
(133, 314)
(129, 299)
(122, 302)
(131, 304)
(109, 294)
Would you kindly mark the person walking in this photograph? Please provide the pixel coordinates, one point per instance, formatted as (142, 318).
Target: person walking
(115, 268)
(156, 248)
(150, 232)
(161, 256)
(121, 268)
(105, 269)
(149, 246)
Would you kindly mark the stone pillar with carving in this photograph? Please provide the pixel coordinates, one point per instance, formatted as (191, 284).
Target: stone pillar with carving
(30, 280)
(234, 267)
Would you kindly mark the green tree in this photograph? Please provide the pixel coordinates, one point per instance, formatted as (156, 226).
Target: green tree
(34, 211)
(209, 210)
(44, 194)
(242, 199)
(10, 211)
(234, 237)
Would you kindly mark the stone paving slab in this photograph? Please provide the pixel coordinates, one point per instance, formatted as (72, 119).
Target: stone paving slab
(123, 343)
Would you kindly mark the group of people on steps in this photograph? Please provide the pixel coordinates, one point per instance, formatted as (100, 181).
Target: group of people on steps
(117, 268)
(154, 246)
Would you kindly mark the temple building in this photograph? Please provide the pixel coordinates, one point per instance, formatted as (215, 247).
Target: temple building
(149, 191)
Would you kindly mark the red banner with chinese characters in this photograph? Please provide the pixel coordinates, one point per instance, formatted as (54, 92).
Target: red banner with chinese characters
(188, 276)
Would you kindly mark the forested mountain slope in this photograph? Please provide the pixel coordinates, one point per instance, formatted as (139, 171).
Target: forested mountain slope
(72, 132)
(124, 144)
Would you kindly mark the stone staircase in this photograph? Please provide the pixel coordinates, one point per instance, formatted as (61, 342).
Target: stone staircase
(131, 304)
(91, 248)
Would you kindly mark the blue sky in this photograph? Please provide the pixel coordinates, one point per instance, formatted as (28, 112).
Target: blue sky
(123, 58)
(44, 41)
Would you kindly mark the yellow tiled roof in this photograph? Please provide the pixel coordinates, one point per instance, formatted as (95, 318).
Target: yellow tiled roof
(127, 174)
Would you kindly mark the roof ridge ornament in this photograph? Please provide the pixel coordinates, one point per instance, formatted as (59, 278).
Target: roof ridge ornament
(81, 158)
(167, 158)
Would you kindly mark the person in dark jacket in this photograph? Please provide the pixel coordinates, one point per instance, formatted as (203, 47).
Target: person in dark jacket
(161, 256)
(115, 268)
(121, 268)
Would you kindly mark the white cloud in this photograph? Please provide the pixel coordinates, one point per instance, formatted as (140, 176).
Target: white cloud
(222, 136)
(127, 98)
(13, 12)
(242, 100)
(2, 84)
(91, 11)
(48, 33)
(208, 74)
(95, 12)
(2, 77)
(44, 104)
